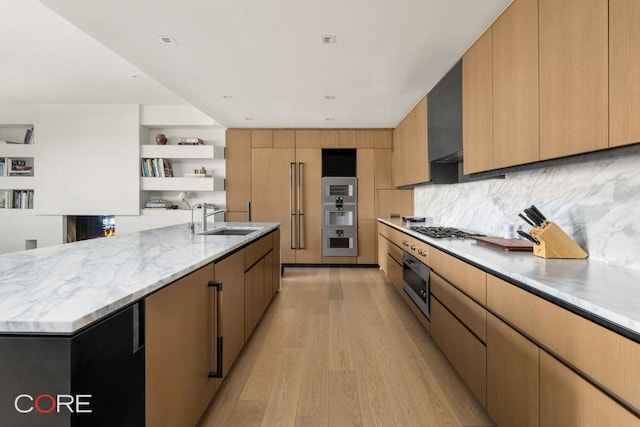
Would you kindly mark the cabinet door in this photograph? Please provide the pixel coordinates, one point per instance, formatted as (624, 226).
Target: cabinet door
(261, 138)
(276, 262)
(477, 105)
(248, 303)
(382, 168)
(624, 69)
(417, 156)
(391, 202)
(466, 353)
(566, 399)
(574, 63)
(365, 170)
(366, 242)
(230, 271)
(268, 280)
(273, 195)
(383, 251)
(238, 169)
(330, 139)
(310, 205)
(179, 350)
(516, 123)
(513, 383)
(395, 273)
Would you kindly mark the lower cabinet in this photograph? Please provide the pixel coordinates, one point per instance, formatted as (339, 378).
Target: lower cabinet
(567, 399)
(513, 382)
(259, 280)
(180, 350)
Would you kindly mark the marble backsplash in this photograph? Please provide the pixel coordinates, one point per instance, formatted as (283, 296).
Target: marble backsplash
(597, 203)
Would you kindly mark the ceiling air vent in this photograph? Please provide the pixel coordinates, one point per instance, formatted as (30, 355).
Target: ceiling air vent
(328, 39)
(167, 39)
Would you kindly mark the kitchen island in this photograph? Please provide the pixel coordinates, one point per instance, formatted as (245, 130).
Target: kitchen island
(93, 332)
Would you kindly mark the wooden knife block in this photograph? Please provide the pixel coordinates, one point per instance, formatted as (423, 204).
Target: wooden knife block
(555, 243)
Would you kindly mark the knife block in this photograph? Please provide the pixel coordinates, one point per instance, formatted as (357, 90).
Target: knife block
(555, 243)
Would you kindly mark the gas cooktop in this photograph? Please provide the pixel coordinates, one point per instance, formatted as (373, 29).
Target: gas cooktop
(444, 232)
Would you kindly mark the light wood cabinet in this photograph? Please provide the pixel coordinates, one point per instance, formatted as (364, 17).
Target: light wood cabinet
(330, 139)
(310, 200)
(366, 182)
(410, 163)
(347, 139)
(284, 138)
(382, 168)
(566, 399)
(391, 202)
(179, 350)
(516, 123)
(238, 169)
(366, 242)
(573, 76)
(469, 279)
(230, 272)
(513, 384)
(395, 272)
(260, 263)
(624, 69)
(273, 193)
(467, 354)
(477, 105)
(261, 138)
(383, 251)
(308, 138)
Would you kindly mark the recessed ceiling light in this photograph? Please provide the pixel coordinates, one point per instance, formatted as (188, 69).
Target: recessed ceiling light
(328, 39)
(227, 96)
(167, 40)
(136, 76)
(248, 118)
(329, 97)
(329, 119)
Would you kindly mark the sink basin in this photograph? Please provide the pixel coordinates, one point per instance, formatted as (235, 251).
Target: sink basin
(229, 231)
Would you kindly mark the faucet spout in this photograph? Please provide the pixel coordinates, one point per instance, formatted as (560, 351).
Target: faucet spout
(206, 214)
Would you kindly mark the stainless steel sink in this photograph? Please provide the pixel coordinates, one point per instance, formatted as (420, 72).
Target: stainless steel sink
(229, 231)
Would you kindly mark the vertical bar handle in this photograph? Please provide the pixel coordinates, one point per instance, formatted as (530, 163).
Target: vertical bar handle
(291, 213)
(248, 211)
(300, 213)
(219, 328)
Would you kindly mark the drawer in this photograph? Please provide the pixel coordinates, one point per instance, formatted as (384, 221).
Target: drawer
(467, 278)
(473, 315)
(608, 358)
(418, 249)
(395, 273)
(396, 253)
(465, 352)
(257, 250)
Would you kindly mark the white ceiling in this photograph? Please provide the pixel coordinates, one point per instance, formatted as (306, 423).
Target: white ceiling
(46, 60)
(266, 54)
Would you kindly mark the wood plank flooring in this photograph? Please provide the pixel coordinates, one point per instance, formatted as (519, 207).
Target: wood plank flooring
(339, 347)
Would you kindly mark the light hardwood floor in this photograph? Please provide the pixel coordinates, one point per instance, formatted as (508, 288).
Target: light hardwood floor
(339, 347)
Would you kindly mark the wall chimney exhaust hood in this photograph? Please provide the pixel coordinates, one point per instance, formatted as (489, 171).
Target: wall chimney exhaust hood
(444, 127)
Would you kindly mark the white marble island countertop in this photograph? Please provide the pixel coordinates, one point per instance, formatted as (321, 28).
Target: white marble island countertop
(61, 289)
(606, 294)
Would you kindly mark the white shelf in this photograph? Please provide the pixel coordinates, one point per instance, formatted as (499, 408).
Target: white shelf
(182, 151)
(182, 184)
(16, 150)
(17, 182)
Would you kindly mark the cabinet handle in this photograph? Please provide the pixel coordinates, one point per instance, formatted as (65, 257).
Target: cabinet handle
(300, 213)
(291, 212)
(405, 243)
(413, 247)
(248, 212)
(138, 327)
(218, 316)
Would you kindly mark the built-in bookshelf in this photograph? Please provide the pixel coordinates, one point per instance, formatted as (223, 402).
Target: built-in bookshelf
(16, 166)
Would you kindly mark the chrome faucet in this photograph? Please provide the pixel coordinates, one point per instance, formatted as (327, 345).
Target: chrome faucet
(206, 214)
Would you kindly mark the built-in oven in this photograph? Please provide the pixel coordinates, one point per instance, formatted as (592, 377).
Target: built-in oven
(344, 216)
(339, 190)
(415, 276)
(339, 242)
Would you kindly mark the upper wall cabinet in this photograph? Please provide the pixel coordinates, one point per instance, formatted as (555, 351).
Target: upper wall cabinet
(573, 76)
(515, 85)
(624, 69)
(410, 165)
(477, 105)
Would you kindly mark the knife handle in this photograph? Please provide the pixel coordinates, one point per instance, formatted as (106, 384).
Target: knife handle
(528, 237)
(537, 212)
(526, 220)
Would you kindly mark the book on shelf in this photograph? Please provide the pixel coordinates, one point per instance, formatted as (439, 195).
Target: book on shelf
(15, 167)
(190, 140)
(28, 136)
(156, 168)
(18, 199)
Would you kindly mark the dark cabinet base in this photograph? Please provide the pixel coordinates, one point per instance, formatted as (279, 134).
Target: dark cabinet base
(94, 378)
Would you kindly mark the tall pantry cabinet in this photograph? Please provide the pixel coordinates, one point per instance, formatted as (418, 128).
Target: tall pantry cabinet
(274, 175)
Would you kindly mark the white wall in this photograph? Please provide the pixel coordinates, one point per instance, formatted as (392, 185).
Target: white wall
(597, 203)
(87, 159)
(19, 225)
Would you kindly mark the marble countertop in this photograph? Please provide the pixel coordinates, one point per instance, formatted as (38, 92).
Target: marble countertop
(61, 289)
(607, 294)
